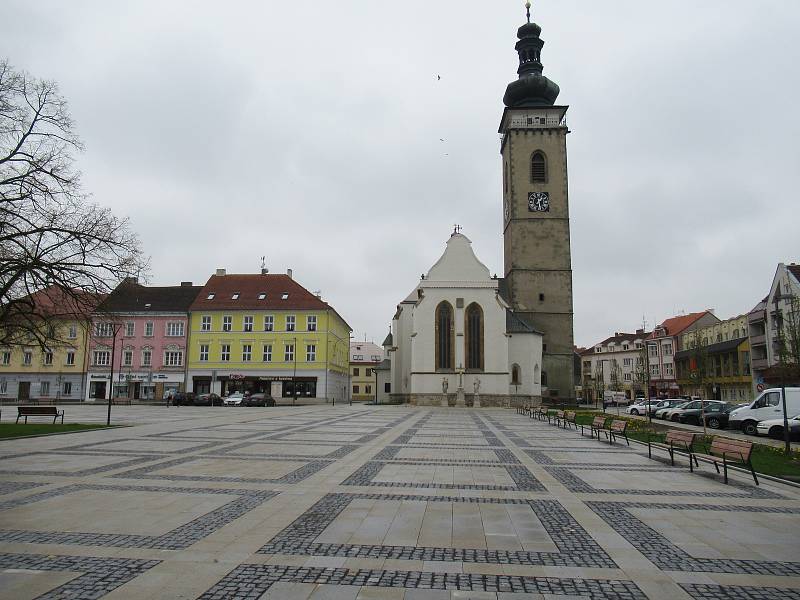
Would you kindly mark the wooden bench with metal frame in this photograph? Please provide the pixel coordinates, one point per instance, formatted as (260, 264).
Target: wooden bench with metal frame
(726, 450)
(541, 413)
(556, 418)
(597, 425)
(617, 428)
(40, 411)
(570, 420)
(676, 441)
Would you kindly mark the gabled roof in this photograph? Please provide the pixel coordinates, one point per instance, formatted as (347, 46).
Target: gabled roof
(389, 340)
(717, 348)
(675, 325)
(54, 301)
(130, 296)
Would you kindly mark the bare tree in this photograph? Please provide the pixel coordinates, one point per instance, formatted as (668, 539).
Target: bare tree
(51, 235)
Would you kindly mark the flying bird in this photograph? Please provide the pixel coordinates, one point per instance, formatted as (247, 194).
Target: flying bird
(438, 78)
(441, 140)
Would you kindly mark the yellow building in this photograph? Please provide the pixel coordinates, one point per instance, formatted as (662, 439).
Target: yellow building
(55, 370)
(266, 333)
(364, 357)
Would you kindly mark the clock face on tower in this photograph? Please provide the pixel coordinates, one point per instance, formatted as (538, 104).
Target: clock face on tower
(538, 202)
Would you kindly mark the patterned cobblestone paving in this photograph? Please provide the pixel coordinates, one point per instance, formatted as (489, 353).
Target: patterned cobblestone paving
(368, 502)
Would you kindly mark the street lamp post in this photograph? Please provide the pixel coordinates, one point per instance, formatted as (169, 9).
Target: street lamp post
(294, 373)
(115, 327)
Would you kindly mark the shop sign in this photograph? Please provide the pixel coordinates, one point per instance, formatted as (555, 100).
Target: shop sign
(236, 376)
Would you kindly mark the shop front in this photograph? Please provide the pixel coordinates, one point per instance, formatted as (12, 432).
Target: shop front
(135, 386)
(277, 386)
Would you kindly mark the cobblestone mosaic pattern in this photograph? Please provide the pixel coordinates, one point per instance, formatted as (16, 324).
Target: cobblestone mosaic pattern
(9, 487)
(99, 575)
(251, 581)
(728, 592)
(181, 537)
(123, 464)
(576, 547)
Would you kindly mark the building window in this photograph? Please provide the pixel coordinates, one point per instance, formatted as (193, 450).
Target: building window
(44, 388)
(148, 329)
(367, 389)
(445, 336)
(655, 370)
(269, 322)
(73, 332)
(3, 386)
(247, 352)
(628, 377)
(210, 296)
(625, 346)
(5, 357)
(505, 176)
(652, 349)
(147, 358)
(667, 349)
(248, 323)
(205, 323)
(627, 362)
(262, 296)
(70, 357)
(129, 329)
(102, 358)
(127, 358)
(227, 323)
(668, 369)
(288, 352)
(387, 388)
(67, 389)
(515, 379)
(311, 322)
(356, 371)
(203, 352)
(544, 377)
(598, 349)
(538, 168)
(367, 372)
(311, 352)
(355, 389)
(225, 352)
(173, 359)
(267, 356)
(290, 322)
(48, 357)
(27, 357)
(235, 296)
(474, 342)
(175, 329)
(103, 330)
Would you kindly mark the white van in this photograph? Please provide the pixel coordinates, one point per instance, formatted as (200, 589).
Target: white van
(769, 405)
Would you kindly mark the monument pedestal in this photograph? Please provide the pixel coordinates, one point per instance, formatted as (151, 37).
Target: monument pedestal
(444, 400)
(476, 403)
(461, 399)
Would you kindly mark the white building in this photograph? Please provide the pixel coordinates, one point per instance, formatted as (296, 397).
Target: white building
(455, 336)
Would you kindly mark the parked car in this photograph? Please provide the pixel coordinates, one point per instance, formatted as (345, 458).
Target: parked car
(674, 414)
(774, 428)
(657, 404)
(768, 405)
(234, 399)
(694, 416)
(183, 399)
(208, 400)
(615, 399)
(670, 404)
(642, 406)
(258, 400)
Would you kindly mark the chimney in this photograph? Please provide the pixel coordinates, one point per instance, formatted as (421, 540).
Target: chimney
(264, 270)
(220, 272)
(186, 284)
(639, 331)
(289, 273)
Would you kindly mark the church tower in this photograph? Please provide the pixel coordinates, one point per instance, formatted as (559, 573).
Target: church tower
(537, 261)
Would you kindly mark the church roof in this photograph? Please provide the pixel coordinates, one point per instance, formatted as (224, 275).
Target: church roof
(458, 263)
(516, 323)
(384, 365)
(389, 340)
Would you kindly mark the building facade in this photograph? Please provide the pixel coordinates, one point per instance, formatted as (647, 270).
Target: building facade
(364, 357)
(618, 363)
(536, 229)
(266, 333)
(456, 340)
(773, 329)
(662, 345)
(142, 331)
(55, 371)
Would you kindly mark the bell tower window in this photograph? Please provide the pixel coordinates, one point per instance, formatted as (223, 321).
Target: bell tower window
(538, 168)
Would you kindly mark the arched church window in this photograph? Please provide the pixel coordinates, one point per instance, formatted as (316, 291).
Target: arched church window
(515, 378)
(445, 336)
(538, 168)
(536, 374)
(474, 342)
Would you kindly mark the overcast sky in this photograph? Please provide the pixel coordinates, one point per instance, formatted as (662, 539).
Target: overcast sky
(309, 132)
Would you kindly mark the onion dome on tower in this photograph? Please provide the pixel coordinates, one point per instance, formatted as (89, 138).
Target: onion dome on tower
(532, 88)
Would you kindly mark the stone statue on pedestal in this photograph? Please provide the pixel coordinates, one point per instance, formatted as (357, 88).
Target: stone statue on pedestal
(445, 385)
(476, 386)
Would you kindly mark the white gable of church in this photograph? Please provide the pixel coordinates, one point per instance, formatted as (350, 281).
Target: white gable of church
(458, 263)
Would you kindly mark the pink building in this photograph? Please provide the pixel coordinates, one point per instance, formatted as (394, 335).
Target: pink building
(144, 329)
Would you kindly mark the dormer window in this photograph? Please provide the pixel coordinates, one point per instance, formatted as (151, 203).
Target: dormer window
(235, 296)
(262, 296)
(211, 296)
(285, 296)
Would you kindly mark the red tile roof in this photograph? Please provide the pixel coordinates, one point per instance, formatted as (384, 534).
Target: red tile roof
(675, 325)
(249, 287)
(54, 301)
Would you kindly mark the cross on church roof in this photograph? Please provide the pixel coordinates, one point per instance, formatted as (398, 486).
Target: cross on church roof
(457, 228)
(528, 10)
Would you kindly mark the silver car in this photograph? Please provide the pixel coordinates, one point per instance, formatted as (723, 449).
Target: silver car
(774, 428)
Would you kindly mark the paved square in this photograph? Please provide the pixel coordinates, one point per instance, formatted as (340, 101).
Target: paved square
(361, 502)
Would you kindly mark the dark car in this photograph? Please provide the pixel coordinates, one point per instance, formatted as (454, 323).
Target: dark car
(258, 400)
(183, 399)
(712, 411)
(208, 400)
(720, 420)
(668, 403)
